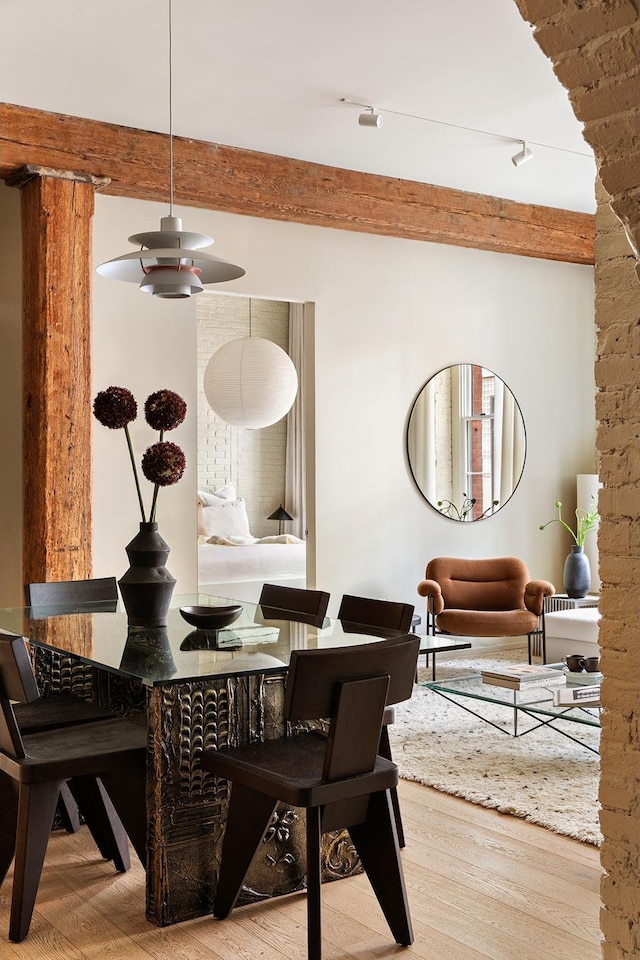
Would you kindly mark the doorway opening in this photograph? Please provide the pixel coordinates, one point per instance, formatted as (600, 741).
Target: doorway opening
(245, 475)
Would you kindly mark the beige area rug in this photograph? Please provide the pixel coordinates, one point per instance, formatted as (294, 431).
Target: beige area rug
(541, 777)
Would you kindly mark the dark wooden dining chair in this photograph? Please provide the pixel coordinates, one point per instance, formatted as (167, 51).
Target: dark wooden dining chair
(367, 614)
(385, 614)
(107, 756)
(294, 599)
(69, 596)
(338, 778)
(69, 593)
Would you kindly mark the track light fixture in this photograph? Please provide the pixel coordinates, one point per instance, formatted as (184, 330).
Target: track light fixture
(373, 119)
(522, 156)
(170, 263)
(370, 119)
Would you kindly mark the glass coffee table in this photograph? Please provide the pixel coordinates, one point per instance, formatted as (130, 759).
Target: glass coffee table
(537, 703)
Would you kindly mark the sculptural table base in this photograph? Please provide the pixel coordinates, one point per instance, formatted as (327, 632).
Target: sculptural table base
(186, 807)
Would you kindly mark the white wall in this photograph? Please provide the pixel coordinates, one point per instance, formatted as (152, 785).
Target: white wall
(144, 344)
(388, 314)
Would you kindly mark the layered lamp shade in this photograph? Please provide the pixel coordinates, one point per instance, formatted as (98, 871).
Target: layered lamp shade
(250, 382)
(173, 265)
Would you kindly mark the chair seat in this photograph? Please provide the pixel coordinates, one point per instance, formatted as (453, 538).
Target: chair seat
(55, 712)
(487, 623)
(290, 770)
(85, 750)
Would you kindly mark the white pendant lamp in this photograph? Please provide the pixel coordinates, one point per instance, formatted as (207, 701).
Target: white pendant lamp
(173, 266)
(171, 263)
(250, 382)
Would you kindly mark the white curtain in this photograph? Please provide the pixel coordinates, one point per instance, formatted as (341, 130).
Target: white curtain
(509, 443)
(422, 437)
(295, 501)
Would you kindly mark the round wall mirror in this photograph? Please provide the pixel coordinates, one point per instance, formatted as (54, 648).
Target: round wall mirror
(466, 442)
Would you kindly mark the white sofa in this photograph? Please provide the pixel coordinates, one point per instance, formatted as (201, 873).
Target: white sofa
(572, 631)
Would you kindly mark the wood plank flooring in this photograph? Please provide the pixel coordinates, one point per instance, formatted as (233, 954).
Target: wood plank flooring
(482, 886)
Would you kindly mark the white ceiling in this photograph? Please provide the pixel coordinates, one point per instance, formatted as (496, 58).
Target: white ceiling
(269, 75)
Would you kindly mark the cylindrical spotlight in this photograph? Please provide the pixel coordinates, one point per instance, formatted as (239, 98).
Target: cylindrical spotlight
(370, 119)
(522, 156)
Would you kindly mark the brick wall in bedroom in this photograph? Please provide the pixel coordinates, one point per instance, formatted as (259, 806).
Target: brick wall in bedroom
(253, 459)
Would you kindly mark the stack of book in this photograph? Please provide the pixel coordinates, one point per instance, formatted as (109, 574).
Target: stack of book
(524, 676)
(578, 696)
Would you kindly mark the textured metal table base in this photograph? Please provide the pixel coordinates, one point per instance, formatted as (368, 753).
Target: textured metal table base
(187, 808)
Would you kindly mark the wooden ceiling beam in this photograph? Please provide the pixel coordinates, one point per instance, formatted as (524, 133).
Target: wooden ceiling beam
(255, 184)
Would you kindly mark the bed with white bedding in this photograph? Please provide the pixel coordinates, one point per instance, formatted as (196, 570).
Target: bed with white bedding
(233, 563)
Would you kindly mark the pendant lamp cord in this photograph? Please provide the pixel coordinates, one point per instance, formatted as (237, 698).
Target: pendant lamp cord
(170, 108)
(249, 316)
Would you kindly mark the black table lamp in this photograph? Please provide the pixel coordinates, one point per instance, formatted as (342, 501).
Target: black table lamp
(280, 515)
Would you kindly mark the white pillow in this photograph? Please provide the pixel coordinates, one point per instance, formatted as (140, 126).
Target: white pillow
(209, 497)
(226, 518)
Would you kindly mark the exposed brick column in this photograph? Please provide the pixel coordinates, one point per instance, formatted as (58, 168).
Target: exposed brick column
(618, 412)
(595, 49)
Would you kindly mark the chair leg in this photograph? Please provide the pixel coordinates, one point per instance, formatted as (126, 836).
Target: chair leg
(377, 846)
(68, 809)
(8, 820)
(36, 808)
(127, 791)
(385, 751)
(102, 820)
(247, 822)
(314, 880)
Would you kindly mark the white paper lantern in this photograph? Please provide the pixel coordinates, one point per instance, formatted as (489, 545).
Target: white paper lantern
(250, 382)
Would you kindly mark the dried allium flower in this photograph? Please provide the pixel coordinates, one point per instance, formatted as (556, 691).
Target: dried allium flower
(164, 463)
(115, 407)
(165, 410)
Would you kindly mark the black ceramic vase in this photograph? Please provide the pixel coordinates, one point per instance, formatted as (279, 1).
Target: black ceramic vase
(147, 653)
(147, 585)
(577, 573)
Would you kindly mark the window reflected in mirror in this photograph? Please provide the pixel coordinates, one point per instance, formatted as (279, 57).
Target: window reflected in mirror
(466, 442)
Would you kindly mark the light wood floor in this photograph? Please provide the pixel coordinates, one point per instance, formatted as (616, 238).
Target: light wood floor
(482, 886)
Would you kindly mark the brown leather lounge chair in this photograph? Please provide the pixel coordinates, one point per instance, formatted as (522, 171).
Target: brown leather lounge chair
(485, 598)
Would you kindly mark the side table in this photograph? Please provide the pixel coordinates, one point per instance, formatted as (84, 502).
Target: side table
(441, 643)
(561, 601)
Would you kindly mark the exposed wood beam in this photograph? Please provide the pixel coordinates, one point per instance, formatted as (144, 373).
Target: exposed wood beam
(262, 185)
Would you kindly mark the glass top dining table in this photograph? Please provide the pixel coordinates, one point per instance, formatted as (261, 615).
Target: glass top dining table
(260, 641)
(190, 688)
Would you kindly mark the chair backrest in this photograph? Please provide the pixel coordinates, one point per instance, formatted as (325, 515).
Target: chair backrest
(65, 592)
(313, 674)
(17, 682)
(494, 584)
(311, 602)
(388, 614)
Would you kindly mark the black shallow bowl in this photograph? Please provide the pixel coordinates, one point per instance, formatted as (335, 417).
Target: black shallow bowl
(211, 618)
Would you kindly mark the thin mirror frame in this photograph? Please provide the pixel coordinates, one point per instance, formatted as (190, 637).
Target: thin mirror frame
(416, 482)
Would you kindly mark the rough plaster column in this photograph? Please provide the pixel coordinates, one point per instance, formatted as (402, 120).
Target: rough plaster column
(595, 49)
